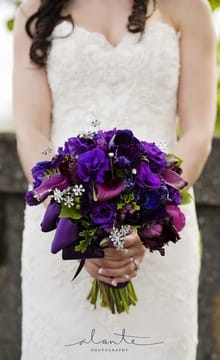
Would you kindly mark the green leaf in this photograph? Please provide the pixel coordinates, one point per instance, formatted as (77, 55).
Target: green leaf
(82, 247)
(71, 213)
(10, 24)
(186, 197)
(178, 160)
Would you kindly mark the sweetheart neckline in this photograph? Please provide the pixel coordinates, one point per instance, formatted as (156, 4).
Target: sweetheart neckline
(128, 34)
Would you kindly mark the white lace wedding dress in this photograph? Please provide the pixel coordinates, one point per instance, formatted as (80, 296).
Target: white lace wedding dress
(132, 85)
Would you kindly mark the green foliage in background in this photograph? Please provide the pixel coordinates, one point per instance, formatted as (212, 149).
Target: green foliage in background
(214, 4)
(217, 128)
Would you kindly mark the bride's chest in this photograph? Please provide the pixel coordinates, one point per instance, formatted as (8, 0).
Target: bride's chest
(86, 58)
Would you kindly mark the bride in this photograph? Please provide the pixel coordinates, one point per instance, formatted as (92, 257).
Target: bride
(138, 64)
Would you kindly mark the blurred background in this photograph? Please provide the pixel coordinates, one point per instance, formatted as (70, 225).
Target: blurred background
(13, 187)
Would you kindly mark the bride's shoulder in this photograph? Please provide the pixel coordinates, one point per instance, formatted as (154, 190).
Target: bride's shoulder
(188, 13)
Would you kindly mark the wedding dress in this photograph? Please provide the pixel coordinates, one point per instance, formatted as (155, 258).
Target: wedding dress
(97, 85)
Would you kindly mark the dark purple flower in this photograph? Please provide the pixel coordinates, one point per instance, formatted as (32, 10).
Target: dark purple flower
(126, 211)
(127, 149)
(146, 178)
(92, 165)
(68, 168)
(102, 138)
(54, 181)
(30, 198)
(174, 196)
(153, 230)
(176, 216)
(42, 168)
(78, 145)
(51, 216)
(109, 191)
(103, 214)
(122, 137)
(156, 157)
(66, 234)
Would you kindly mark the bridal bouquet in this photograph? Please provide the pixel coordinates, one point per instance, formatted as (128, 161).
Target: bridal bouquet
(102, 185)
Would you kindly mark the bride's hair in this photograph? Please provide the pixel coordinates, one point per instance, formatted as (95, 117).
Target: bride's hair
(49, 14)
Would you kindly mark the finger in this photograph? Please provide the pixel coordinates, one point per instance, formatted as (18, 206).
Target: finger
(124, 278)
(92, 269)
(114, 254)
(118, 272)
(131, 239)
(105, 263)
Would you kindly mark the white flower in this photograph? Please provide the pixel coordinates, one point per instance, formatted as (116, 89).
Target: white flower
(78, 190)
(58, 195)
(68, 200)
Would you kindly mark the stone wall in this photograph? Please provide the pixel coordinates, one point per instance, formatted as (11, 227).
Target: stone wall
(12, 188)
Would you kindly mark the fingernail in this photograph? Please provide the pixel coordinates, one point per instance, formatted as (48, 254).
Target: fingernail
(131, 259)
(127, 276)
(100, 271)
(114, 283)
(125, 250)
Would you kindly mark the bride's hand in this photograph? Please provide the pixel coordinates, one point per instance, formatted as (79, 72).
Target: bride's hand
(118, 266)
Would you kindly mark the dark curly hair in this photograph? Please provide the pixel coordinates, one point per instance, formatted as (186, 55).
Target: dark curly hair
(49, 15)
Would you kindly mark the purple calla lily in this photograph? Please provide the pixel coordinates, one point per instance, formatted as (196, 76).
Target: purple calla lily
(55, 181)
(107, 192)
(66, 234)
(50, 218)
(173, 179)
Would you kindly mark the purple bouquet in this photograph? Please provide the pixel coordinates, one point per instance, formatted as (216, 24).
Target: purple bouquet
(102, 185)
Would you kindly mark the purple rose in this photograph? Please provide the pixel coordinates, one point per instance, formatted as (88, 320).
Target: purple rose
(92, 165)
(146, 178)
(102, 138)
(103, 214)
(78, 145)
(156, 157)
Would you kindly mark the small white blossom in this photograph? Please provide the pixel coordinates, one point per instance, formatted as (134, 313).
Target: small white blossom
(68, 200)
(78, 190)
(58, 195)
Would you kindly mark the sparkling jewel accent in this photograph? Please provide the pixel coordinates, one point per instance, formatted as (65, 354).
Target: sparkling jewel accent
(68, 195)
(46, 151)
(78, 190)
(163, 146)
(117, 236)
(69, 200)
(58, 195)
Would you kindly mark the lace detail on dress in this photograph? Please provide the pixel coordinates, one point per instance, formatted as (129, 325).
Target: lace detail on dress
(133, 84)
